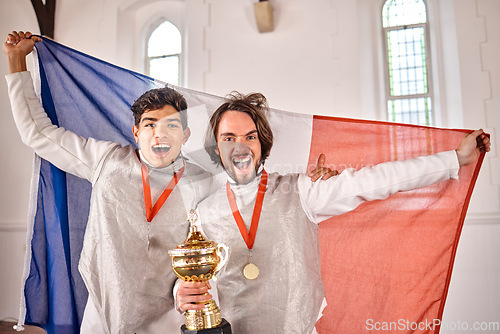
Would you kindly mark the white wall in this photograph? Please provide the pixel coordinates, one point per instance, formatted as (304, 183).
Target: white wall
(324, 57)
(16, 171)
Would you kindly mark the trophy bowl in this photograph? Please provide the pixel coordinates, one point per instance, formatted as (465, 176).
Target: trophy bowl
(199, 260)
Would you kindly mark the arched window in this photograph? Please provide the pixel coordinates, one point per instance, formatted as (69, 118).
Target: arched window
(409, 97)
(164, 52)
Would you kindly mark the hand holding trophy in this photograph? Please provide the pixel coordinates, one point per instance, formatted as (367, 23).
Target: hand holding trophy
(198, 259)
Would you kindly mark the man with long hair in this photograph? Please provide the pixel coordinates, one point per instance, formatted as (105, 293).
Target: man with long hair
(272, 281)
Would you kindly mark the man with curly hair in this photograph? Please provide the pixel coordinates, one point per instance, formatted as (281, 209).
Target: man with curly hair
(124, 261)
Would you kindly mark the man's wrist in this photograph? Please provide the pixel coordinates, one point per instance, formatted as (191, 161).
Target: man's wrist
(461, 158)
(17, 62)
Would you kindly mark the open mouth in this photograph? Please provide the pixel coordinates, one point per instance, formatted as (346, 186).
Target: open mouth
(161, 149)
(243, 163)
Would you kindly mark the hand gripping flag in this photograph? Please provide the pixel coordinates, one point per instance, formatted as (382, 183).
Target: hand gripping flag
(385, 261)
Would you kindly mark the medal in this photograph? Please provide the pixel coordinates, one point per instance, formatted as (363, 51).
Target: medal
(250, 271)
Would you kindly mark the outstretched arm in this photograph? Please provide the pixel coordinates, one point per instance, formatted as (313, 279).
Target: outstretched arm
(471, 147)
(353, 187)
(17, 46)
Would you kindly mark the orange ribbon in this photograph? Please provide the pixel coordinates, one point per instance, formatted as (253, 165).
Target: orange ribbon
(249, 237)
(151, 211)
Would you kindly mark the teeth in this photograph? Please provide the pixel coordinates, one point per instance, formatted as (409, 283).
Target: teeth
(161, 149)
(162, 146)
(240, 160)
(242, 163)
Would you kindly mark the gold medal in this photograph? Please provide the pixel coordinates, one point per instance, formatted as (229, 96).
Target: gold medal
(251, 271)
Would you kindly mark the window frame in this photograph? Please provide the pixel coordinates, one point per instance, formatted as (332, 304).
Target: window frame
(428, 63)
(180, 56)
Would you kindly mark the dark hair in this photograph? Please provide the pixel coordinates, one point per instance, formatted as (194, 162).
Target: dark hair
(157, 98)
(255, 105)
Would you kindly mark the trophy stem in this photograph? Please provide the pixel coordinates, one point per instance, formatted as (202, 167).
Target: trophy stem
(208, 317)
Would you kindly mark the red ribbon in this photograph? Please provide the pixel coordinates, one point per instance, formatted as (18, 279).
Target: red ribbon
(151, 211)
(249, 237)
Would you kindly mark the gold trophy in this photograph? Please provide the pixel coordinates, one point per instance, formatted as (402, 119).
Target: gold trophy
(198, 260)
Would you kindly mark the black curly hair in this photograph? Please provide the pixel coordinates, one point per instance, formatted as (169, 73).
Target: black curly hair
(157, 98)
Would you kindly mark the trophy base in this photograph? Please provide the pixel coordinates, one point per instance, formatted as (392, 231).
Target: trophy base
(223, 328)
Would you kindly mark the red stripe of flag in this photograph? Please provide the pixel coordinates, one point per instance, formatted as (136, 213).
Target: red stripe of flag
(391, 260)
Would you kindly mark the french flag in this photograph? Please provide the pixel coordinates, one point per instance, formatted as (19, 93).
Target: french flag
(385, 261)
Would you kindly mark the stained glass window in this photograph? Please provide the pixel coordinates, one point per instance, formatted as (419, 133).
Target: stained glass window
(409, 97)
(164, 51)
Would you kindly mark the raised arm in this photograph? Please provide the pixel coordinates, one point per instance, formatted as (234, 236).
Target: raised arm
(65, 149)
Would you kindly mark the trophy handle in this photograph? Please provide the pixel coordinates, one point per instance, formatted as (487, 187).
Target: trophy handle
(224, 257)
